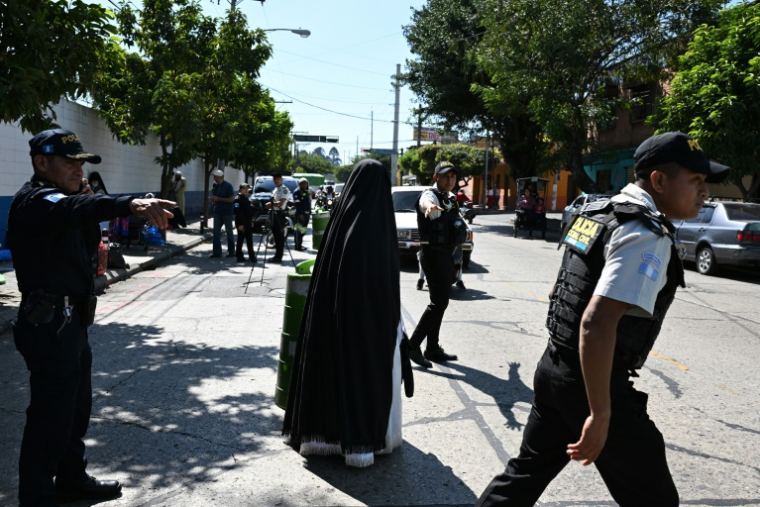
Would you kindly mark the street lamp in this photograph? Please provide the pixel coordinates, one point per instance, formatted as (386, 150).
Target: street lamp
(297, 31)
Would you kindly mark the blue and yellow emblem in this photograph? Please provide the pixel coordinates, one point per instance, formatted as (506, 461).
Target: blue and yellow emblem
(583, 233)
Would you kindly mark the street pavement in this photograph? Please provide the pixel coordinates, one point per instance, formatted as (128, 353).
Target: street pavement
(185, 359)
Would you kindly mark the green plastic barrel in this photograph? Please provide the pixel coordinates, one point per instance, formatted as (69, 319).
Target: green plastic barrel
(318, 225)
(296, 290)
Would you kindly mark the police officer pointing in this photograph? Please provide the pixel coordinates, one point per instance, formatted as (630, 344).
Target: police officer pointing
(52, 234)
(441, 230)
(619, 275)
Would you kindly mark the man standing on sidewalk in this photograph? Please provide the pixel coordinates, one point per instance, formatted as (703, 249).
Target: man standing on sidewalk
(223, 197)
(619, 275)
(441, 229)
(52, 235)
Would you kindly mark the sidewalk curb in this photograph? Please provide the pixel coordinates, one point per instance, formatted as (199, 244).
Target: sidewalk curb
(8, 312)
(116, 275)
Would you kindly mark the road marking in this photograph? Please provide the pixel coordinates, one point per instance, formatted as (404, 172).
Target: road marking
(544, 300)
(727, 389)
(671, 361)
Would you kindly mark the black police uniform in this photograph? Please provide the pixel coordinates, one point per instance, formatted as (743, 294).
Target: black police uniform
(438, 239)
(632, 462)
(244, 217)
(52, 237)
(302, 201)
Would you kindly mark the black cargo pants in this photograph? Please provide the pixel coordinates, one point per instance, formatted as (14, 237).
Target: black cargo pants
(632, 463)
(438, 265)
(59, 409)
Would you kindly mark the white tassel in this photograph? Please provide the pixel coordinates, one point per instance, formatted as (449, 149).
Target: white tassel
(319, 448)
(360, 460)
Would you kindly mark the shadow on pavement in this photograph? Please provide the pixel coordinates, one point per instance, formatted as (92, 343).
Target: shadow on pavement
(407, 476)
(506, 392)
(165, 412)
(469, 295)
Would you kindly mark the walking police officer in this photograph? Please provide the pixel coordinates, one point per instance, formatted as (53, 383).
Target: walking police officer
(619, 275)
(52, 234)
(441, 230)
(277, 205)
(302, 202)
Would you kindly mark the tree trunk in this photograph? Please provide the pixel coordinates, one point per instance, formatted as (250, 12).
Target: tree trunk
(207, 172)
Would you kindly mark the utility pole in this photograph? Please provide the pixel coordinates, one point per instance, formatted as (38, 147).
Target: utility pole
(371, 129)
(394, 155)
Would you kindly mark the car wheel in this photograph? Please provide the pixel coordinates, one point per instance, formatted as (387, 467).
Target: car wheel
(466, 259)
(706, 263)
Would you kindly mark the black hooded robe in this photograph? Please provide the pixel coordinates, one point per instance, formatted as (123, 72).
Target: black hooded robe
(345, 387)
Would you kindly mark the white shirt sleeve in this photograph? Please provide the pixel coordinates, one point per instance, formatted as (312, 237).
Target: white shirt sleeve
(428, 195)
(635, 270)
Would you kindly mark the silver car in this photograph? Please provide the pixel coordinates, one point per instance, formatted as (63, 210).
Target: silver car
(577, 203)
(724, 233)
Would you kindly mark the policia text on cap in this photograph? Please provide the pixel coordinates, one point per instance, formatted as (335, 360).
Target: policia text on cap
(52, 234)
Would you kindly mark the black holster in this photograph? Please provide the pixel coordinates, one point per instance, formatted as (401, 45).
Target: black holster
(38, 307)
(87, 314)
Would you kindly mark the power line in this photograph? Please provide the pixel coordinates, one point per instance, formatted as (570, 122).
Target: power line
(330, 110)
(334, 64)
(327, 82)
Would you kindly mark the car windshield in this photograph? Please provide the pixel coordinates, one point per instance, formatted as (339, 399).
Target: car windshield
(267, 184)
(742, 212)
(405, 201)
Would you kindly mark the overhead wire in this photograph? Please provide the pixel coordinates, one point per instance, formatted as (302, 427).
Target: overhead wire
(327, 82)
(331, 110)
(335, 64)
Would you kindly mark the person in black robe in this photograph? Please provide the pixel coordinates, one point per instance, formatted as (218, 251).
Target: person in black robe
(352, 350)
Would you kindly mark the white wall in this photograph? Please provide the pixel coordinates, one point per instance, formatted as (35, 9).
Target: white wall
(124, 169)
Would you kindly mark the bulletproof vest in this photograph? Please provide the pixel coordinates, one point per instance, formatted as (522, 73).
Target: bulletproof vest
(448, 229)
(582, 266)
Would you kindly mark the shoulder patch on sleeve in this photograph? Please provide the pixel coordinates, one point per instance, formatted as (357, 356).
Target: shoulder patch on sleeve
(54, 197)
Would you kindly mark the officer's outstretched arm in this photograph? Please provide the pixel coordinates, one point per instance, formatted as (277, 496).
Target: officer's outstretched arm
(152, 210)
(597, 349)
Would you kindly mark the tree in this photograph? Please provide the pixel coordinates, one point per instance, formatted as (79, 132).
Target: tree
(715, 96)
(469, 161)
(306, 163)
(554, 56)
(445, 76)
(48, 50)
(264, 139)
(334, 156)
(189, 73)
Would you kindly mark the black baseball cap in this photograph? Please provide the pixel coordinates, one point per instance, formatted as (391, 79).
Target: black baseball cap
(61, 142)
(444, 167)
(679, 148)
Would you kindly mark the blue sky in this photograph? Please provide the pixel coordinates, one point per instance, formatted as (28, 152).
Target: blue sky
(345, 66)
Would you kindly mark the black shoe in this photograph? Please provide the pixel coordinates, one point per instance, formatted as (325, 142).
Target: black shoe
(253, 260)
(214, 256)
(92, 488)
(301, 248)
(240, 259)
(420, 283)
(230, 255)
(439, 356)
(275, 259)
(416, 356)
(460, 285)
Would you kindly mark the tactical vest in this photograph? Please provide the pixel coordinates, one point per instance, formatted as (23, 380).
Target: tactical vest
(582, 265)
(448, 229)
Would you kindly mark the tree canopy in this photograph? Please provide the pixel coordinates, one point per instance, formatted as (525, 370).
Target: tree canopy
(469, 161)
(48, 50)
(715, 95)
(310, 163)
(192, 82)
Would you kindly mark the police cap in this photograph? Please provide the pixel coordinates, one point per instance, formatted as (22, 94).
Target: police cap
(63, 143)
(681, 149)
(444, 167)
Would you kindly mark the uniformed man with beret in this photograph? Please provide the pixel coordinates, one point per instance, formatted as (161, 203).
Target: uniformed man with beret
(441, 229)
(619, 275)
(52, 234)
